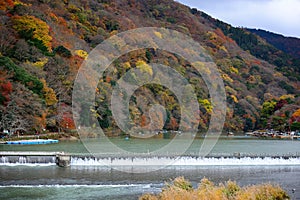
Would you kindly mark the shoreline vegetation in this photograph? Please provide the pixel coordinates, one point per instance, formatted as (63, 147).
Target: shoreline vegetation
(180, 188)
(74, 136)
(53, 135)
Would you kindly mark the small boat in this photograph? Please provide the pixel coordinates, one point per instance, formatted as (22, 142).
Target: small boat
(30, 142)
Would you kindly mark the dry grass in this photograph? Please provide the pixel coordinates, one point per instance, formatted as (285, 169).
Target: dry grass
(181, 189)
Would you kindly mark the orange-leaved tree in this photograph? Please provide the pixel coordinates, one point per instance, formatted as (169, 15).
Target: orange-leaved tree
(296, 116)
(295, 120)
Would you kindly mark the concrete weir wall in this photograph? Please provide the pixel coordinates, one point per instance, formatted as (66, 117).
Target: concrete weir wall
(61, 159)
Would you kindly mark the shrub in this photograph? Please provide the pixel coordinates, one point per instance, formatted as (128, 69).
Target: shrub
(181, 183)
(261, 192)
(231, 189)
(182, 189)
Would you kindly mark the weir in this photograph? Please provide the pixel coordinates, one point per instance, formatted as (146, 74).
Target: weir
(234, 159)
(61, 159)
(191, 155)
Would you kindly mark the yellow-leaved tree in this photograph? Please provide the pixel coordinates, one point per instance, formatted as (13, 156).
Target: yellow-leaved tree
(32, 28)
(49, 94)
(206, 104)
(81, 53)
(143, 73)
(144, 67)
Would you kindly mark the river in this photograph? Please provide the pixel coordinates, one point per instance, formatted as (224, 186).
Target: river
(86, 179)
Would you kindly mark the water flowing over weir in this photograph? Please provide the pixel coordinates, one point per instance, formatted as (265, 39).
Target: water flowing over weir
(184, 161)
(27, 160)
(33, 158)
(237, 159)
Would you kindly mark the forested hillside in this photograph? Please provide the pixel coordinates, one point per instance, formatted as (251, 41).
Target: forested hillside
(290, 45)
(43, 44)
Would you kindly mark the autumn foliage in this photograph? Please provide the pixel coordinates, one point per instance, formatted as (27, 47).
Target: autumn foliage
(44, 43)
(5, 89)
(67, 121)
(50, 97)
(33, 28)
(296, 116)
(182, 189)
(6, 4)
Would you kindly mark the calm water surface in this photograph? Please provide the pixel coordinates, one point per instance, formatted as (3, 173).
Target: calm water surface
(252, 146)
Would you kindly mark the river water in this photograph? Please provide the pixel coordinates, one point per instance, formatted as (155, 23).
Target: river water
(89, 179)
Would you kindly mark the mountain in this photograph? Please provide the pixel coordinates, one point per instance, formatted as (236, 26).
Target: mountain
(290, 45)
(259, 48)
(43, 44)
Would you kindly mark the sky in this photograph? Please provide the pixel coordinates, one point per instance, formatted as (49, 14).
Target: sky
(278, 16)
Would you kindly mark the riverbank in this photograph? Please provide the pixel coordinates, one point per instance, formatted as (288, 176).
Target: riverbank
(62, 136)
(72, 135)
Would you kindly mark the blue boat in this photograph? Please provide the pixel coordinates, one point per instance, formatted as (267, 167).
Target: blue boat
(30, 142)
